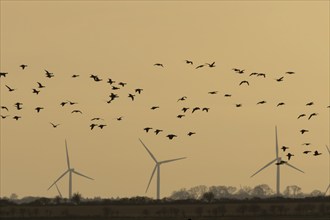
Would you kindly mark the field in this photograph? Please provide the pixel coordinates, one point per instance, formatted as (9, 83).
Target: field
(227, 210)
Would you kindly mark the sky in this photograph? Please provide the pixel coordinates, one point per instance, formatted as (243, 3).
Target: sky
(123, 41)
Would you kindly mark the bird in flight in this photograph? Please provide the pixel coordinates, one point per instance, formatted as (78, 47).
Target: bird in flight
(35, 91)
(281, 103)
(23, 66)
(40, 85)
(211, 65)
(184, 109)
(213, 92)
(10, 89)
(54, 125)
(261, 102)
(171, 136)
(306, 144)
(262, 74)
(76, 111)
(238, 105)
(63, 103)
(284, 148)
(96, 119)
(244, 81)
(195, 109)
(110, 81)
(4, 116)
(289, 155)
(240, 71)
(157, 131)
(102, 126)
(279, 79)
(205, 109)
(281, 162)
(113, 96)
(311, 115)
(189, 62)
(227, 95)
(154, 107)
(3, 74)
(180, 116)
(191, 133)
(147, 129)
(138, 90)
(74, 76)
(72, 103)
(316, 153)
(158, 64)
(307, 151)
(309, 103)
(253, 74)
(303, 131)
(119, 118)
(4, 107)
(290, 72)
(131, 96)
(38, 109)
(115, 88)
(302, 115)
(200, 66)
(92, 126)
(18, 105)
(182, 98)
(122, 84)
(16, 117)
(49, 74)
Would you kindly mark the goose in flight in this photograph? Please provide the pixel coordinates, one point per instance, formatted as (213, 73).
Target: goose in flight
(281, 162)
(54, 125)
(227, 95)
(306, 144)
(16, 117)
(195, 109)
(138, 90)
(199, 66)
(3, 74)
(38, 109)
(122, 84)
(157, 131)
(280, 79)
(302, 115)
(102, 126)
(23, 66)
(238, 105)
(147, 129)
(18, 105)
(92, 126)
(154, 107)
(4, 116)
(244, 81)
(63, 103)
(309, 103)
(307, 151)
(303, 131)
(131, 96)
(311, 115)
(171, 136)
(280, 104)
(211, 65)
(35, 91)
(76, 111)
(10, 89)
(289, 155)
(253, 74)
(115, 88)
(189, 62)
(262, 74)
(110, 81)
(40, 86)
(4, 107)
(96, 119)
(316, 153)
(205, 109)
(184, 109)
(119, 118)
(284, 148)
(49, 74)
(261, 102)
(213, 92)
(182, 98)
(180, 116)
(75, 76)
(191, 133)
(159, 64)
(290, 72)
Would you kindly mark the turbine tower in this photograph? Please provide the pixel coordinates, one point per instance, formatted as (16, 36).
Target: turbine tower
(278, 161)
(70, 171)
(157, 167)
(329, 172)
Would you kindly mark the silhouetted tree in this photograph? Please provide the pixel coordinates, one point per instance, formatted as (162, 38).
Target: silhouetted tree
(13, 197)
(181, 194)
(197, 192)
(222, 191)
(76, 198)
(292, 191)
(262, 191)
(208, 196)
(316, 193)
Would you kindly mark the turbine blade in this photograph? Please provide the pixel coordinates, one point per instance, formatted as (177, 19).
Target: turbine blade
(264, 167)
(152, 175)
(58, 179)
(58, 190)
(82, 175)
(293, 167)
(167, 161)
(153, 157)
(67, 155)
(327, 190)
(328, 148)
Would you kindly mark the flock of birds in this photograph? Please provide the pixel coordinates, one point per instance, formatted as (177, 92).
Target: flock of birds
(98, 122)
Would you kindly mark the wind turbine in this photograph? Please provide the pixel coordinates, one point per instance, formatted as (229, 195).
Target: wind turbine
(157, 167)
(58, 190)
(278, 161)
(329, 172)
(70, 171)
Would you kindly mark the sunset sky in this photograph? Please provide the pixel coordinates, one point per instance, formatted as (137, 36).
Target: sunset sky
(123, 41)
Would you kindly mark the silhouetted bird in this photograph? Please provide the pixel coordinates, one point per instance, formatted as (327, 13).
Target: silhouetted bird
(92, 126)
(119, 118)
(171, 136)
(40, 85)
(18, 105)
(200, 66)
(191, 133)
(328, 106)
(281, 103)
(97, 79)
(17, 117)
(157, 131)
(227, 95)
(63, 103)
(4, 116)
(131, 96)
(180, 116)
(138, 90)
(238, 105)
(281, 162)
(10, 89)
(189, 62)
(113, 96)
(54, 125)
(23, 66)
(38, 109)
(306, 144)
(122, 84)
(307, 151)
(184, 109)
(35, 91)
(195, 109)
(236, 69)
(2, 74)
(310, 104)
(110, 81)
(182, 98)
(49, 74)
(147, 129)
(211, 65)
(115, 88)
(284, 148)
(289, 155)
(244, 81)
(302, 115)
(154, 107)
(213, 92)
(311, 115)
(4, 107)
(261, 102)
(316, 153)
(102, 126)
(205, 109)
(240, 71)
(74, 76)
(303, 131)
(279, 79)
(72, 103)
(261, 74)
(253, 74)
(76, 111)
(96, 119)
(289, 72)
(158, 64)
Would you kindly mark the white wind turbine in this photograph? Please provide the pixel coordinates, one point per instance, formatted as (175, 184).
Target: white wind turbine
(329, 172)
(70, 171)
(278, 161)
(157, 167)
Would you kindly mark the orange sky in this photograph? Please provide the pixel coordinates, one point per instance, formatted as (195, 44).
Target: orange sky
(123, 41)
